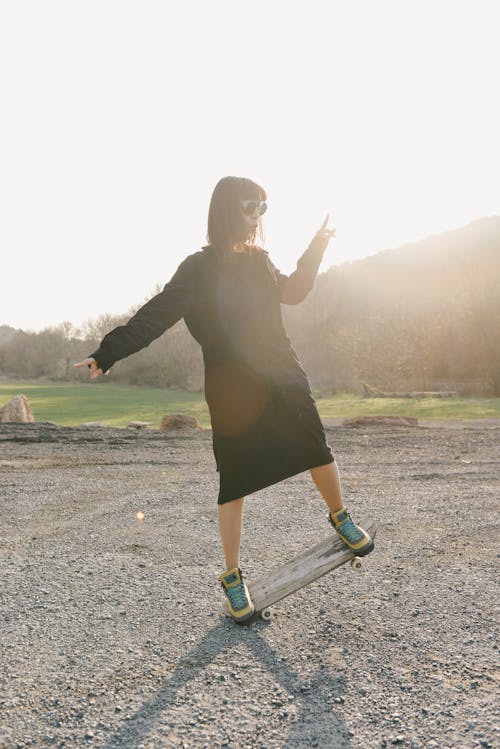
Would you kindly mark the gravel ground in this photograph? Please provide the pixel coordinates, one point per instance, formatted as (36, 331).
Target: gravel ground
(111, 630)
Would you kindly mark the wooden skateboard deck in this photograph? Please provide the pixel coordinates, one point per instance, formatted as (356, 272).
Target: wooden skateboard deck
(290, 577)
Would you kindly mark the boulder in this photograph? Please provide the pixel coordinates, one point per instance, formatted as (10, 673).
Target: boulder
(363, 421)
(179, 421)
(17, 409)
(139, 424)
(92, 424)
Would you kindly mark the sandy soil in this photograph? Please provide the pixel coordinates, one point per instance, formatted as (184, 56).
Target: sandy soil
(111, 628)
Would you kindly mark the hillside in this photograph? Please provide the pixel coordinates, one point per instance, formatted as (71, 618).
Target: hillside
(422, 316)
(445, 249)
(464, 262)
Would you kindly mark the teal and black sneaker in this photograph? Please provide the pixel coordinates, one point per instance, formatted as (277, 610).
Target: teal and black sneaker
(351, 534)
(239, 604)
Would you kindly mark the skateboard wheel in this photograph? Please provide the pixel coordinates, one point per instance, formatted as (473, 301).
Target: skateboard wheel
(356, 563)
(266, 614)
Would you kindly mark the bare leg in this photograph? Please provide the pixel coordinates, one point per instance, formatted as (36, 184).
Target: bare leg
(327, 481)
(230, 521)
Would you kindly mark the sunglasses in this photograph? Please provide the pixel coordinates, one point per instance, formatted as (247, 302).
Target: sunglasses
(250, 206)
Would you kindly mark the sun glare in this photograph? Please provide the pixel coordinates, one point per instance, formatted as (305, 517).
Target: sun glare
(382, 115)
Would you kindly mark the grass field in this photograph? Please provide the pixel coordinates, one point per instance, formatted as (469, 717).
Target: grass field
(116, 405)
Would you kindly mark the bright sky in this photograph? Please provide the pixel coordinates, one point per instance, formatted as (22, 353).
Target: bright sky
(118, 118)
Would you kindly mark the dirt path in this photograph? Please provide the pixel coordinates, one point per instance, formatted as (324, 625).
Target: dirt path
(111, 634)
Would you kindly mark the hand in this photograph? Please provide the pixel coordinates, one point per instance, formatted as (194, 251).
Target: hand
(95, 371)
(324, 232)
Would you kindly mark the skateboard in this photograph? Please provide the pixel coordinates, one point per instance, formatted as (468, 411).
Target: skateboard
(303, 569)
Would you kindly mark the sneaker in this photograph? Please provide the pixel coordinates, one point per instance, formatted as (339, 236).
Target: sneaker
(351, 534)
(239, 603)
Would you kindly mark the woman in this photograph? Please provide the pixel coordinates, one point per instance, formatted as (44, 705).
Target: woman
(265, 425)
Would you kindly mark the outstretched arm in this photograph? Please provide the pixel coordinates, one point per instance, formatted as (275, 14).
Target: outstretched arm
(295, 287)
(148, 323)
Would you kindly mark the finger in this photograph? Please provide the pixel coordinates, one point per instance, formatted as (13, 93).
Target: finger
(85, 362)
(325, 222)
(96, 372)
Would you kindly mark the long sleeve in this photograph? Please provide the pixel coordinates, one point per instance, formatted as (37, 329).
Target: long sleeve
(151, 320)
(295, 287)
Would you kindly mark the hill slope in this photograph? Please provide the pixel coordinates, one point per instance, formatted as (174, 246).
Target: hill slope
(424, 316)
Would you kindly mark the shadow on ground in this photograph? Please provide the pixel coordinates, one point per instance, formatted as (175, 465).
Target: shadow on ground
(315, 722)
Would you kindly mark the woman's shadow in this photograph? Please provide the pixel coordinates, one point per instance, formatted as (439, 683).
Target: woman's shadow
(316, 723)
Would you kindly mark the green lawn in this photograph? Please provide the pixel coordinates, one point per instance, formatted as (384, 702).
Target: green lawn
(116, 405)
(422, 408)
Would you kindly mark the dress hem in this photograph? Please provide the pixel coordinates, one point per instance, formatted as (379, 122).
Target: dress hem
(286, 475)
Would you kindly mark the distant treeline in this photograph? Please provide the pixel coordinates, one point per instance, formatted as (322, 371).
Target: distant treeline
(423, 317)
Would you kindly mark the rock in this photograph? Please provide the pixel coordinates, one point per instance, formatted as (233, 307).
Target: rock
(363, 421)
(92, 424)
(18, 409)
(139, 424)
(179, 421)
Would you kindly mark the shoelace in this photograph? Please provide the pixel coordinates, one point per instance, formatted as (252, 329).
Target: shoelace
(237, 596)
(350, 531)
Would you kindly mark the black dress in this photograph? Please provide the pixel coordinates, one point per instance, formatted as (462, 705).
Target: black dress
(265, 425)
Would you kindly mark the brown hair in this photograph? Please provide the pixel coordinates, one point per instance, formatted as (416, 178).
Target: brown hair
(225, 220)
